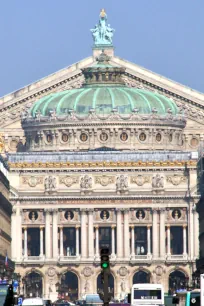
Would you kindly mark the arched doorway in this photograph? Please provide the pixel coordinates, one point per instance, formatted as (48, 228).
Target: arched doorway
(33, 285)
(177, 280)
(141, 277)
(110, 284)
(68, 288)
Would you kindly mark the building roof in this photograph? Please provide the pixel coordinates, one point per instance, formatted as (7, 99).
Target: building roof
(104, 99)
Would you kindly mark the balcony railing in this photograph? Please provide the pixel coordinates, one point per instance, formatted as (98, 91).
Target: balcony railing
(141, 257)
(179, 257)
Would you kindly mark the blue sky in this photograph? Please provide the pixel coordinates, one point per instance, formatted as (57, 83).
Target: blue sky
(40, 37)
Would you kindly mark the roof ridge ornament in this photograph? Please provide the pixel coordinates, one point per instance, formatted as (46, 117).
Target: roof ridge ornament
(103, 58)
(102, 33)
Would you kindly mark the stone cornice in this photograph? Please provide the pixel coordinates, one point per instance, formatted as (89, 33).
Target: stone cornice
(105, 164)
(149, 199)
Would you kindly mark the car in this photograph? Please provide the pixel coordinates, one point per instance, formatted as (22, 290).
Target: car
(62, 302)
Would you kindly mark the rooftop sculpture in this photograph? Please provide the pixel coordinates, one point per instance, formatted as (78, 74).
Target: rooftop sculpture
(102, 33)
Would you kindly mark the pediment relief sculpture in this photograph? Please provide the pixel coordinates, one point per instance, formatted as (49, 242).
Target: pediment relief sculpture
(140, 179)
(32, 181)
(104, 180)
(176, 179)
(68, 180)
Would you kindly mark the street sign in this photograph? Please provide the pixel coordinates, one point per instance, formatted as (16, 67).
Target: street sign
(20, 301)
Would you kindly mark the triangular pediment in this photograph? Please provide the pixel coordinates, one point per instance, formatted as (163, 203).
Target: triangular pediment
(12, 105)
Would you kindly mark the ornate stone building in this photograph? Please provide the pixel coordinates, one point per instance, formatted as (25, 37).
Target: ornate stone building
(103, 153)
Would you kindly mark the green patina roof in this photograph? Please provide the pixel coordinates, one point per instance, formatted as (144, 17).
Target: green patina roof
(104, 99)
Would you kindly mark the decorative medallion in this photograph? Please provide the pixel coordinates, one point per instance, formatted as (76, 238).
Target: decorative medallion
(158, 137)
(123, 136)
(104, 215)
(69, 215)
(140, 179)
(103, 136)
(83, 137)
(140, 214)
(33, 216)
(142, 136)
(49, 138)
(32, 181)
(194, 142)
(176, 214)
(65, 137)
(104, 180)
(68, 180)
(176, 179)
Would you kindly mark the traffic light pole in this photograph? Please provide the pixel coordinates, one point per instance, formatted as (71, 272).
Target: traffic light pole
(105, 288)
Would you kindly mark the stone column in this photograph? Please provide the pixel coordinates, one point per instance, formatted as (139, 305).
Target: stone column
(184, 240)
(25, 243)
(196, 233)
(133, 241)
(77, 241)
(83, 234)
(162, 233)
(148, 240)
(191, 231)
(55, 233)
(113, 241)
(97, 242)
(155, 234)
(61, 242)
(91, 234)
(19, 233)
(126, 234)
(168, 241)
(47, 233)
(41, 242)
(119, 234)
(13, 234)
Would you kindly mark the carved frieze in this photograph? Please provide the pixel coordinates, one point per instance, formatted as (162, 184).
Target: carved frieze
(104, 180)
(176, 179)
(32, 181)
(158, 181)
(86, 182)
(140, 179)
(50, 183)
(122, 183)
(68, 180)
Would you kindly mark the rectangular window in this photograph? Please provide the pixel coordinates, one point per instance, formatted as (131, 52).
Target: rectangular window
(176, 236)
(141, 240)
(33, 241)
(69, 237)
(105, 238)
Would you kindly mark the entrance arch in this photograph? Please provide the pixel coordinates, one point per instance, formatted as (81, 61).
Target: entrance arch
(141, 277)
(177, 280)
(69, 286)
(33, 285)
(110, 284)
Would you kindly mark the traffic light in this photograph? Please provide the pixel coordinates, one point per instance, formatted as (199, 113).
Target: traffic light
(105, 264)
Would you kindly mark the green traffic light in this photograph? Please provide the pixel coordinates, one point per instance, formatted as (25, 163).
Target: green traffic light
(105, 265)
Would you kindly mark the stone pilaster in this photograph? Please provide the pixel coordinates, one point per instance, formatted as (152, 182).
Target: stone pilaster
(162, 233)
(119, 234)
(55, 233)
(83, 234)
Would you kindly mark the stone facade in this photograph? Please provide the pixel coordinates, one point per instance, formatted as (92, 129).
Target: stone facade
(128, 182)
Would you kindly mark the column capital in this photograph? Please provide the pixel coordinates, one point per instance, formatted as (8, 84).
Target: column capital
(77, 226)
(61, 227)
(162, 210)
(83, 210)
(154, 211)
(90, 210)
(132, 226)
(168, 226)
(113, 226)
(119, 210)
(96, 226)
(55, 210)
(149, 226)
(126, 210)
(42, 226)
(25, 227)
(184, 225)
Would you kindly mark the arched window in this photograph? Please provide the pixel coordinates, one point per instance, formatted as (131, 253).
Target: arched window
(141, 277)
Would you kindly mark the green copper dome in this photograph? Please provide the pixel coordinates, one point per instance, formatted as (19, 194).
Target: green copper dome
(104, 99)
